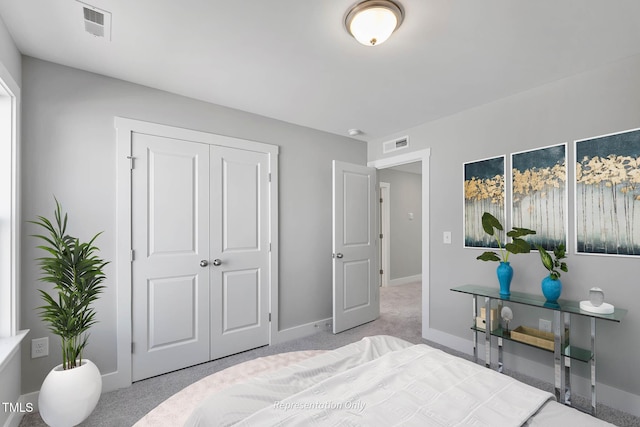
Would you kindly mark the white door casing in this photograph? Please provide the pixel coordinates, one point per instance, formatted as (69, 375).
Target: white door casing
(179, 331)
(423, 156)
(385, 233)
(355, 253)
(240, 245)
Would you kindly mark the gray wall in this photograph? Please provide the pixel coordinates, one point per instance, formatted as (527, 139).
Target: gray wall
(594, 103)
(406, 235)
(9, 370)
(10, 56)
(69, 150)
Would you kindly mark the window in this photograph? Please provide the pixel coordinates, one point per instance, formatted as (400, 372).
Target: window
(8, 206)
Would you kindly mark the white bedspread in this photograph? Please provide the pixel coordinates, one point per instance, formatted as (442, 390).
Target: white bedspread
(418, 386)
(379, 381)
(236, 402)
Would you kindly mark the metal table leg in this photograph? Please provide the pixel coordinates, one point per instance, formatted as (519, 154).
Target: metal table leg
(558, 356)
(475, 332)
(500, 366)
(487, 335)
(593, 366)
(567, 361)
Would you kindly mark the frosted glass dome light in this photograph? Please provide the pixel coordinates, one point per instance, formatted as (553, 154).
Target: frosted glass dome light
(372, 22)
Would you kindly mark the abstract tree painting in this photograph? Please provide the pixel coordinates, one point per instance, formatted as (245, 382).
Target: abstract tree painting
(607, 194)
(484, 191)
(539, 196)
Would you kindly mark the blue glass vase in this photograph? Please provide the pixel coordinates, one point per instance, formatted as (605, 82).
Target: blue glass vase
(551, 289)
(505, 274)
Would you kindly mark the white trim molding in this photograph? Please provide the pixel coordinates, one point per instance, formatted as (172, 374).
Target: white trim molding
(405, 280)
(302, 331)
(9, 346)
(25, 402)
(125, 127)
(385, 231)
(415, 156)
(10, 243)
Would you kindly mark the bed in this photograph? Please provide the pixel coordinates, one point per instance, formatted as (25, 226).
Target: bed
(378, 381)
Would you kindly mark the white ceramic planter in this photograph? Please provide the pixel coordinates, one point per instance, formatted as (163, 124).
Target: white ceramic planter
(67, 397)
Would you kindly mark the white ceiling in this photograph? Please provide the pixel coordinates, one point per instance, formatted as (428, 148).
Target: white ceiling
(292, 60)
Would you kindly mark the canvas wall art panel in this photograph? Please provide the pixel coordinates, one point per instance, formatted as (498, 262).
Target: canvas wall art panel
(607, 194)
(539, 194)
(484, 191)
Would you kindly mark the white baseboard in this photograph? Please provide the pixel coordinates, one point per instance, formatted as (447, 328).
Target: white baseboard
(302, 331)
(30, 398)
(405, 280)
(13, 420)
(16, 417)
(109, 383)
(113, 381)
(453, 342)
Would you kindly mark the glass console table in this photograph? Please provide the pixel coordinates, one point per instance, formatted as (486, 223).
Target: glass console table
(563, 351)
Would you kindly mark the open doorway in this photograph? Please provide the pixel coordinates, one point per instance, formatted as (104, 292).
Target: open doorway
(401, 241)
(401, 159)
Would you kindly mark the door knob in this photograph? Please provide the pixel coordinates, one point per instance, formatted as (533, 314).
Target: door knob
(204, 263)
(217, 262)
(339, 255)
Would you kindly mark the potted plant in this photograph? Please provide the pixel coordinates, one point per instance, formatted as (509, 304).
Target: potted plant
(551, 285)
(71, 390)
(518, 245)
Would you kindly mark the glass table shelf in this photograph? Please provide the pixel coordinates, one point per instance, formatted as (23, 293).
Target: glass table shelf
(563, 305)
(563, 351)
(571, 351)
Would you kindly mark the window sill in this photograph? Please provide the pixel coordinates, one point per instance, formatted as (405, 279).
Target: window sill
(9, 346)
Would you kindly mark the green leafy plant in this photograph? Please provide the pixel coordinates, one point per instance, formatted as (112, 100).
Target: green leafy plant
(76, 273)
(518, 245)
(554, 263)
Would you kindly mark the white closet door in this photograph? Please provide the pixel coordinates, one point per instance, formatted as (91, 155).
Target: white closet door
(355, 279)
(239, 250)
(170, 238)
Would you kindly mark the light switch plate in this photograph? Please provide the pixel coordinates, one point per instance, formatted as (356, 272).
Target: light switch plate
(446, 237)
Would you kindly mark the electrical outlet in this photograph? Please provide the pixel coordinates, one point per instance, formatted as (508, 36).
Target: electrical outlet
(544, 325)
(39, 347)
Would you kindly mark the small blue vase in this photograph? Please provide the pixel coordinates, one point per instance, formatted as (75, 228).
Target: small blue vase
(505, 274)
(551, 289)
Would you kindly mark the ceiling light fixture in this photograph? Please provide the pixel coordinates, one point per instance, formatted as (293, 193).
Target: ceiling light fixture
(371, 22)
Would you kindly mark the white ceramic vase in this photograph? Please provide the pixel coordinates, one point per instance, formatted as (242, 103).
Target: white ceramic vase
(68, 397)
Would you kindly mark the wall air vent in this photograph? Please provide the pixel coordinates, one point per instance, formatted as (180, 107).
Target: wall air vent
(97, 22)
(395, 145)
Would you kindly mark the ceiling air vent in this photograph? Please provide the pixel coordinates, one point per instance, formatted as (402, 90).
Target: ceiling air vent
(396, 144)
(97, 22)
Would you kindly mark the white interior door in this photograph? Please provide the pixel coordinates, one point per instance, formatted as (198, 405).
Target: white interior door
(355, 279)
(239, 250)
(201, 245)
(170, 237)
